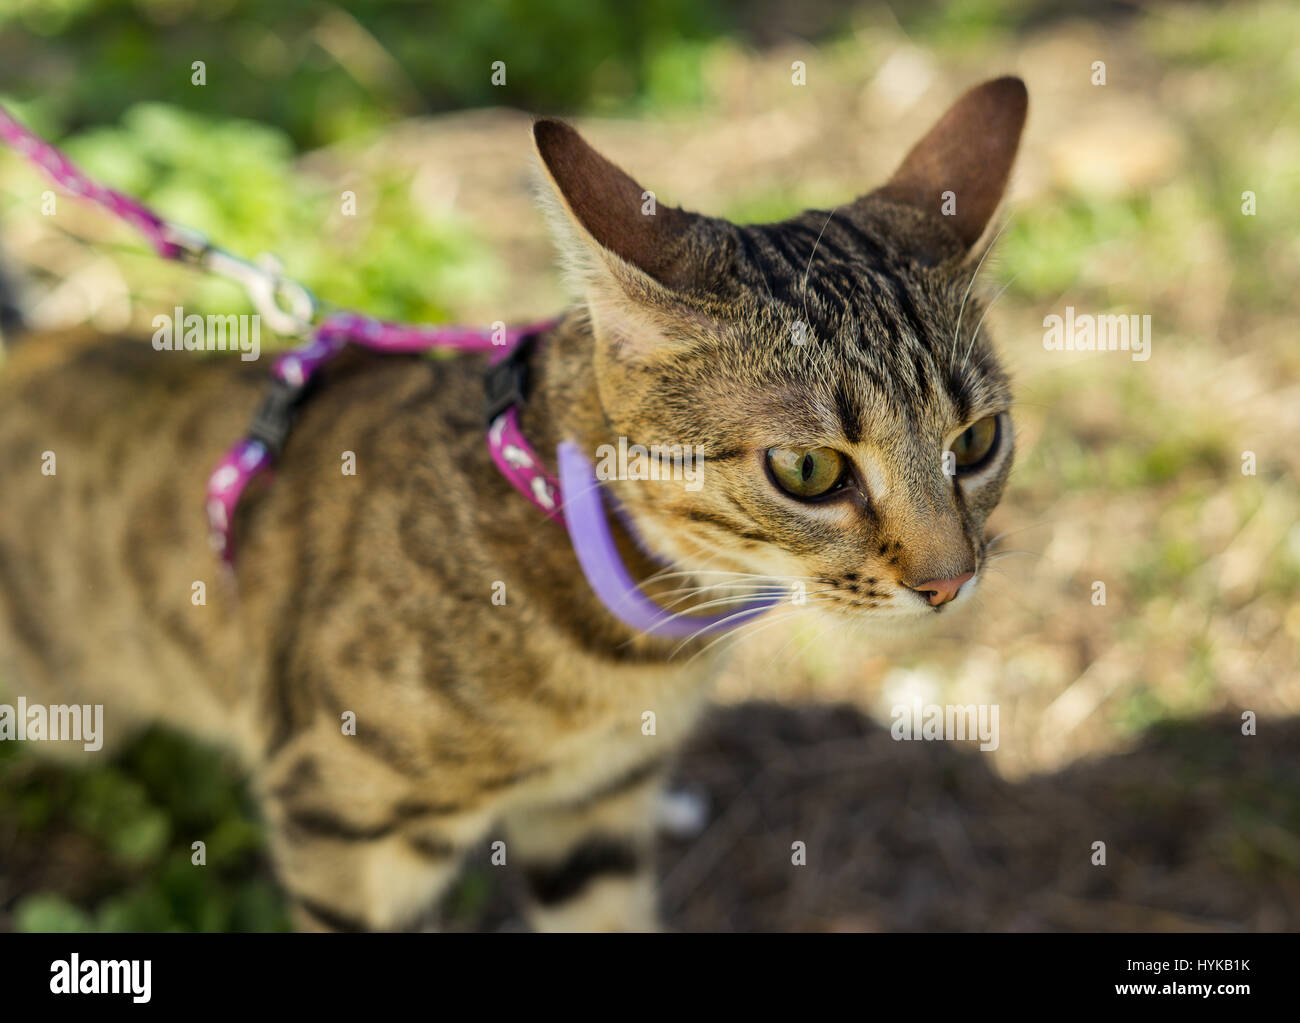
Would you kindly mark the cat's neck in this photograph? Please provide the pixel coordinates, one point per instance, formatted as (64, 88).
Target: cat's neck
(564, 404)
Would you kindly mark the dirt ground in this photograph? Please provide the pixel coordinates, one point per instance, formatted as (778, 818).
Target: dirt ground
(1199, 825)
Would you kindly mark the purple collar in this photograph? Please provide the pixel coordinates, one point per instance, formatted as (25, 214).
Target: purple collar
(574, 499)
(593, 543)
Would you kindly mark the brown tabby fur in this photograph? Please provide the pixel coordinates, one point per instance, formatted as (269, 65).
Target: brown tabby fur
(372, 593)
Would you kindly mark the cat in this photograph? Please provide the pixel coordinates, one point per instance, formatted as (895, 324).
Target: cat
(856, 435)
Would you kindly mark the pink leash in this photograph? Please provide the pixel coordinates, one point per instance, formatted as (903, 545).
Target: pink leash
(584, 517)
(65, 173)
(292, 371)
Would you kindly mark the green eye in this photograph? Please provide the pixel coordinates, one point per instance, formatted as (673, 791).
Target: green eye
(805, 474)
(976, 443)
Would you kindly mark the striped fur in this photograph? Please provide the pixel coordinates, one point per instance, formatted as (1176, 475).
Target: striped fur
(519, 727)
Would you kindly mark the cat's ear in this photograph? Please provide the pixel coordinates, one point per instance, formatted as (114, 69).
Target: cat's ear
(958, 172)
(622, 219)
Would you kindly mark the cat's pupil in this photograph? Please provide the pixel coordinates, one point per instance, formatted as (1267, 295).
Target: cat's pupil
(806, 469)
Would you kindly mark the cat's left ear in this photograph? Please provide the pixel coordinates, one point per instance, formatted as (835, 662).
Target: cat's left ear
(957, 174)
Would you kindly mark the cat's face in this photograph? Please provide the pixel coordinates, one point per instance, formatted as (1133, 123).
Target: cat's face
(832, 371)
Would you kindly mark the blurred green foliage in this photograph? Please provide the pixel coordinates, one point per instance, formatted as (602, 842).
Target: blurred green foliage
(323, 72)
(110, 846)
(110, 80)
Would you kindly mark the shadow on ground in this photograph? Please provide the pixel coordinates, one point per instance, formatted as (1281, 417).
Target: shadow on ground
(1201, 826)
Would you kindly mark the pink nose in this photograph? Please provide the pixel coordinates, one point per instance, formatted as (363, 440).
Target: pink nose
(940, 591)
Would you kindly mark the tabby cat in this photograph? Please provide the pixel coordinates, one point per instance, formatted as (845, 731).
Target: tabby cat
(856, 435)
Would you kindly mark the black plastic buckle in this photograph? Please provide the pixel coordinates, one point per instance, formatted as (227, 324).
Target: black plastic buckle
(275, 417)
(506, 383)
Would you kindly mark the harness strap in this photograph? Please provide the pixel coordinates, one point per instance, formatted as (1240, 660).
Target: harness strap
(291, 376)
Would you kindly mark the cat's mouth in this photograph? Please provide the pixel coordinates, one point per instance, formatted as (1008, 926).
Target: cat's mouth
(905, 604)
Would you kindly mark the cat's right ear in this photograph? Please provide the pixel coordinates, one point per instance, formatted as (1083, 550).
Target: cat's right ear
(619, 217)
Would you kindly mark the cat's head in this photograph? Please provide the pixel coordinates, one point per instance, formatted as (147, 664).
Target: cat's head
(831, 369)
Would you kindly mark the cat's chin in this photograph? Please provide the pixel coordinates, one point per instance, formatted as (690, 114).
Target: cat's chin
(894, 623)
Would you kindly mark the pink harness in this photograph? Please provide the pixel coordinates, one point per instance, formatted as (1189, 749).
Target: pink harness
(292, 371)
(581, 509)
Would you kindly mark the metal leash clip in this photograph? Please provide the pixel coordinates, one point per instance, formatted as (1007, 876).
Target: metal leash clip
(285, 305)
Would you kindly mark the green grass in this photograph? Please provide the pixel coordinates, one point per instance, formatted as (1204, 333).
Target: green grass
(111, 842)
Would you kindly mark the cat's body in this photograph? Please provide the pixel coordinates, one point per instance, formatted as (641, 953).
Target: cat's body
(371, 595)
